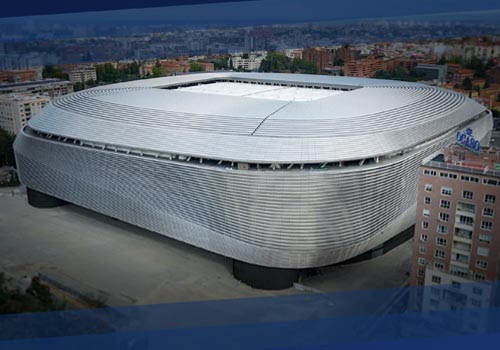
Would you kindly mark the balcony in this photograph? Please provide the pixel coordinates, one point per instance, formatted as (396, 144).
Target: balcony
(461, 247)
(461, 261)
(459, 271)
(466, 225)
(466, 208)
(462, 235)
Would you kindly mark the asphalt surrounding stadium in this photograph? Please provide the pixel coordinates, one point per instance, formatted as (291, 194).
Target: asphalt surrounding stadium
(119, 264)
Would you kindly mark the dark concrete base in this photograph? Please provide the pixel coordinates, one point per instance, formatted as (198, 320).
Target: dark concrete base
(385, 247)
(42, 200)
(262, 277)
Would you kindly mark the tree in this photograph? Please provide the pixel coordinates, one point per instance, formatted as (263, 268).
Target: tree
(400, 73)
(478, 66)
(50, 71)
(467, 84)
(78, 86)
(275, 62)
(301, 66)
(196, 67)
(107, 73)
(158, 71)
(220, 64)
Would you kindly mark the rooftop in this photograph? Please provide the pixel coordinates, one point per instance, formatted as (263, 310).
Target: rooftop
(32, 83)
(23, 97)
(260, 118)
(457, 158)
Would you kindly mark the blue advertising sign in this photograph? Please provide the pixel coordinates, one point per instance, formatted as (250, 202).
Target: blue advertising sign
(467, 140)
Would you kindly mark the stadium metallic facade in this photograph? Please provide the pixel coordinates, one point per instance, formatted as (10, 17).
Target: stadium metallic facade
(277, 170)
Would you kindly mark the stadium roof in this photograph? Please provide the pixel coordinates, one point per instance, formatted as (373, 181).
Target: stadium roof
(260, 117)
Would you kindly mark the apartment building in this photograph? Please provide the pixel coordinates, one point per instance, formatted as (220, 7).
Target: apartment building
(456, 250)
(458, 217)
(16, 110)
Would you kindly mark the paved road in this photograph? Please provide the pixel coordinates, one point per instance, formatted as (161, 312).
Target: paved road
(122, 264)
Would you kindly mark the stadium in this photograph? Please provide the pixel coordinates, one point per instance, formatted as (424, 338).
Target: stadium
(279, 172)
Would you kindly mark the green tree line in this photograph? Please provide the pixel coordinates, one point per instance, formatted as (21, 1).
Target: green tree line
(276, 62)
(400, 73)
(107, 73)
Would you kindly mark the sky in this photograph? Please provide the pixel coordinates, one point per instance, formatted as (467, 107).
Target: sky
(283, 10)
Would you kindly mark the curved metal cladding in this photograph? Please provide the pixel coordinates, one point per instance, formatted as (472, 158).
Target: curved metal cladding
(174, 170)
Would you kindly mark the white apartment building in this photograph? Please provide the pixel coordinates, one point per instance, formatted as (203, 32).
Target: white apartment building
(252, 63)
(17, 109)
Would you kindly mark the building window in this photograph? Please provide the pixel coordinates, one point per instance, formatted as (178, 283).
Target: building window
(420, 272)
(427, 200)
(467, 194)
(428, 188)
(465, 220)
(444, 217)
(448, 175)
(489, 198)
(477, 291)
(468, 178)
(466, 207)
(484, 238)
(483, 251)
(486, 225)
(439, 253)
(442, 229)
(439, 266)
(482, 264)
(488, 212)
(423, 237)
(441, 241)
(435, 291)
(430, 172)
(475, 303)
(426, 213)
(421, 261)
(425, 225)
(479, 277)
(446, 191)
(436, 279)
(422, 249)
(445, 204)
(491, 182)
